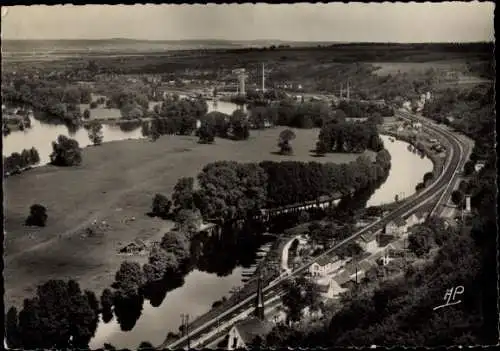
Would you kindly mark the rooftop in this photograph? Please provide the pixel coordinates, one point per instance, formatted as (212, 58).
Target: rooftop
(399, 222)
(251, 327)
(323, 261)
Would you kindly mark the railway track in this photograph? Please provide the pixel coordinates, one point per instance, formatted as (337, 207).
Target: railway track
(440, 187)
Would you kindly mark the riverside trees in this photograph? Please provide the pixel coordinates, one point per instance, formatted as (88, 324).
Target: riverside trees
(17, 162)
(66, 152)
(61, 315)
(95, 132)
(348, 137)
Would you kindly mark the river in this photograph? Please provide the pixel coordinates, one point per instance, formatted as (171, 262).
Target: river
(201, 287)
(41, 135)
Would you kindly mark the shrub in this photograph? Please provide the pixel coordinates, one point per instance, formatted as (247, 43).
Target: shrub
(38, 216)
(161, 206)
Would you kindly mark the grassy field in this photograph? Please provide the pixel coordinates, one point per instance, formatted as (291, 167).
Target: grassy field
(386, 68)
(116, 182)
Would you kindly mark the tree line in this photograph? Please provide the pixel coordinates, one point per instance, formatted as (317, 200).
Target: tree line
(230, 190)
(348, 137)
(59, 103)
(16, 162)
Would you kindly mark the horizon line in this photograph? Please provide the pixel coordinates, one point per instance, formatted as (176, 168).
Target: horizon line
(248, 40)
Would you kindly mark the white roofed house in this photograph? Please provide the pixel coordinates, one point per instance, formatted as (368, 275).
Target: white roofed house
(479, 166)
(324, 266)
(416, 218)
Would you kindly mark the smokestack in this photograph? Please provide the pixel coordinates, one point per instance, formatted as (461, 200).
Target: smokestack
(263, 79)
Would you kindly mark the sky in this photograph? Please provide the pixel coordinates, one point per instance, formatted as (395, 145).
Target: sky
(352, 22)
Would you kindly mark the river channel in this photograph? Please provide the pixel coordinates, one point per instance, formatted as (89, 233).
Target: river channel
(202, 286)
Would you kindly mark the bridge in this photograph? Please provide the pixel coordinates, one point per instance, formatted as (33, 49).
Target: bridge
(436, 193)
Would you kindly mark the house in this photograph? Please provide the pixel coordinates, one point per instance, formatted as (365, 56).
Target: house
(368, 242)
(244, 332)
(325, 265)
(479, 166)
(396, 227)
(356, 119)
(137, 247)
(417, 125)
(331, 289)
(395, 250)
(342, 278)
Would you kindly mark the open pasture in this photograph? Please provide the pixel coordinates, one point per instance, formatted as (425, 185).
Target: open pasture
(116, 182)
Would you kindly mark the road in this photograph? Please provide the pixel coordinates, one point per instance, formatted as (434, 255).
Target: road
(441, 187)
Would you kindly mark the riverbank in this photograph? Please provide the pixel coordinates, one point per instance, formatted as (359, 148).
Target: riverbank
(116, 181)
(423, 144)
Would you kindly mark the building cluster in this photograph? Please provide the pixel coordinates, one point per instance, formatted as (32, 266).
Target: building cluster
(417, 104)
(334, 275)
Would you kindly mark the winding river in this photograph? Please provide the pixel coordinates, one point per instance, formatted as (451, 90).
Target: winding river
(200, 288)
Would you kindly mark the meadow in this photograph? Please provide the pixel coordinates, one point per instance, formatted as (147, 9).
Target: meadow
(116, 184)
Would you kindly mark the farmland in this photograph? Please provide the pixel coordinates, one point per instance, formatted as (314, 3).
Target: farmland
(115, 183)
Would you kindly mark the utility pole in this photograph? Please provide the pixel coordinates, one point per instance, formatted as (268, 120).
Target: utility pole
(348, 90)
(185, 328)
(341, 91)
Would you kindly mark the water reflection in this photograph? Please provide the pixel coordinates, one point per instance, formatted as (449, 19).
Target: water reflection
(407, 170)
(41, 135)
(128, 310)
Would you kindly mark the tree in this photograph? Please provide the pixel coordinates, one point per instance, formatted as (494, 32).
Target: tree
(92, 105)
(86, 113)
(145, 129)
(12, 329)
(469, 167)
(154, 130)
(34, 156)
(207, 130)
(128, 279)
(419, 241)
(160, 264)
(183, 196)
(38, 216)
(457, 197)
(66, 152)
(176, 243)
(161, 206)
(60, 315)
(428, 177)
(349, 250)
(284, 141)
(95, 132)
(239, 125)
(189, 221)
(230, 190)
(376, 118)
(145, 345)
(107, 304)
(300, 293)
